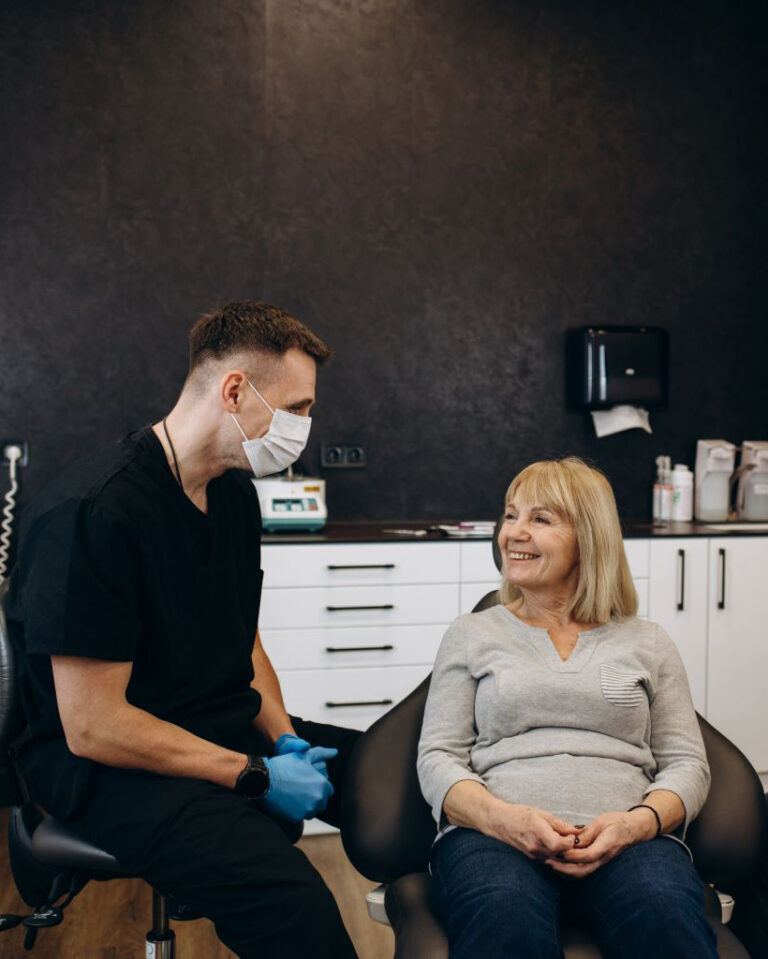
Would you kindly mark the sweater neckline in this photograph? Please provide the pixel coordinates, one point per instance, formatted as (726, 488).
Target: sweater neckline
(541, 642)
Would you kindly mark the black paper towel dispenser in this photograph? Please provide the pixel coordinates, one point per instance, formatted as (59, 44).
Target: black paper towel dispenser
(609, 366)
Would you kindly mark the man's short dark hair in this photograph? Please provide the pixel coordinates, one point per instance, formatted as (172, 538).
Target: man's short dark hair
(251, 326)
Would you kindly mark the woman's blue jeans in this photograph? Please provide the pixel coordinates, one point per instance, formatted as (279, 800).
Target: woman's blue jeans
(495, 902)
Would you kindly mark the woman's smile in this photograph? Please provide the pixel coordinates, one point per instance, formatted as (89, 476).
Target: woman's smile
(518, 556)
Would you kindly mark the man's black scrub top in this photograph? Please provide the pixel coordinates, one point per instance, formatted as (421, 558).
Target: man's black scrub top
(116, 563)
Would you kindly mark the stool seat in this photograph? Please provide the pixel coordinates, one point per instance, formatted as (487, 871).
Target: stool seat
(59, 847)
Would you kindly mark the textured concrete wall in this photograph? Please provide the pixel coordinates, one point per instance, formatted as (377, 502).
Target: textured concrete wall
(438, 187)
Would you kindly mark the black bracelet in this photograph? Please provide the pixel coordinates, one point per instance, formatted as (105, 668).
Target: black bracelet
(644, 805)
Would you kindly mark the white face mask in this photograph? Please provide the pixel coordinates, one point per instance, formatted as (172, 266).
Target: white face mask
(283, 443)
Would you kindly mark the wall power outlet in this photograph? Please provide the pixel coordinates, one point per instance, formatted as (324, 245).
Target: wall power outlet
(341, 456)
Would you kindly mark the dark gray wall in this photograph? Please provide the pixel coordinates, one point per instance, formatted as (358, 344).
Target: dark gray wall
(438, 187)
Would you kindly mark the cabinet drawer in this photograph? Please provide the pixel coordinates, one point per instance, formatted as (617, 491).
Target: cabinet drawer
(358, 606)
(477, 565)
(348, 697)
(357, 564)
(472, 593)
(345, 646)
(638, 553)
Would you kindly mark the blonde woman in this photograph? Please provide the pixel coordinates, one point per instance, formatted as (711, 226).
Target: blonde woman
(560, 751)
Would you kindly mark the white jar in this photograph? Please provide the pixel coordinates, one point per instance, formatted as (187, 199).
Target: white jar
(682, 493)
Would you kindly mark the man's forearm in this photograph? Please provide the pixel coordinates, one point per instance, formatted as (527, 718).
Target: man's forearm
(131, 738)
(273, 719)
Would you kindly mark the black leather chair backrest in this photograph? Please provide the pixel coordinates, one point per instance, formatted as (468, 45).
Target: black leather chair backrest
(730, 834)
(11, 718)
(387, 827)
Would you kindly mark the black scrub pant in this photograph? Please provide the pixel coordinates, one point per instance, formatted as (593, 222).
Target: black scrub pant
(219, 853)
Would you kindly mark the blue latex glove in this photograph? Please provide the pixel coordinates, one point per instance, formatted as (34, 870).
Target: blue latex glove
(288, 743)
(296, 789)
(319, 755)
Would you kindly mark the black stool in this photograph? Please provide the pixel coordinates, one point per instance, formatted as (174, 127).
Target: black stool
(49, 861)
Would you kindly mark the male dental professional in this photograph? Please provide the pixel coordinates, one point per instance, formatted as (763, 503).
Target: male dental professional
(157, 726)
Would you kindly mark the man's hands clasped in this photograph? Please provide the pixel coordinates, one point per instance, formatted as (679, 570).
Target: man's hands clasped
(298, 779)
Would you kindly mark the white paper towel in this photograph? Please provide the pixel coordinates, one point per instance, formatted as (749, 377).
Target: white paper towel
(620, 418)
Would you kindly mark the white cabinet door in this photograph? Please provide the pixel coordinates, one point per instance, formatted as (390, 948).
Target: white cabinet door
(677, 600)
(737, 703)
(477, 564)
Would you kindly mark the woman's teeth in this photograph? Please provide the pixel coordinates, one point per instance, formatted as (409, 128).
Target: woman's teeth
(522, 555)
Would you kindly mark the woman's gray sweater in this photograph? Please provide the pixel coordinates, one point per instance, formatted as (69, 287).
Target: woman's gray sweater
(594, 733)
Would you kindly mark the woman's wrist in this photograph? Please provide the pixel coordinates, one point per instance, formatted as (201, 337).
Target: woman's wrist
(490, 812)
(646, 822)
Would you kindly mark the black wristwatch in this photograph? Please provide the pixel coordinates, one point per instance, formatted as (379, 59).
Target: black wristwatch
(253, 781)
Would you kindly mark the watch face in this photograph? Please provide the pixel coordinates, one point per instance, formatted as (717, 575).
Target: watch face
(253, 781)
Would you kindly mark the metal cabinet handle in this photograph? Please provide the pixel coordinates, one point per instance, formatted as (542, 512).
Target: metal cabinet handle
(681, 558)
(355, 649)
(369, 702)
(721, 601)
(332, 566)
(341, 609)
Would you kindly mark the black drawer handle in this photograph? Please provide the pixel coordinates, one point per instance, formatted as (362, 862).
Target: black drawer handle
(721, 601)
(342, 609)
(355, 649)
(364, 566)
(369, 702)
(681, 601)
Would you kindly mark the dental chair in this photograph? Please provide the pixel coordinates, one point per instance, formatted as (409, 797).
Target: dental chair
(387, 830)
(50, 863)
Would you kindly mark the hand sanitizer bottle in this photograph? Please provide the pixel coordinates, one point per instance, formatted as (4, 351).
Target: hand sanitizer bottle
(682, 493)
(662, 490)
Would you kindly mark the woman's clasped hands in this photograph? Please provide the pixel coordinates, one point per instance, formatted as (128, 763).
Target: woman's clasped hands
(572, 850)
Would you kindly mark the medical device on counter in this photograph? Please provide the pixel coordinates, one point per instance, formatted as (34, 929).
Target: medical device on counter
(714, 465)
(292, 503)
(752, 478)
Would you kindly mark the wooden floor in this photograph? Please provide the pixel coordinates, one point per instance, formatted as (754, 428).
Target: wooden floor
(109, 920)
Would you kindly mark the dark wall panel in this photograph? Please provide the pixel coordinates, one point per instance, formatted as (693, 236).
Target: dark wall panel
(438, 187)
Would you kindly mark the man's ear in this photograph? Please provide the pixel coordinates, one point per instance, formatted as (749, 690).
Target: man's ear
(231, 387)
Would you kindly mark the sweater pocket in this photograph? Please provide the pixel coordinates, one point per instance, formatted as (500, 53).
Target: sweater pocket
(624, 687)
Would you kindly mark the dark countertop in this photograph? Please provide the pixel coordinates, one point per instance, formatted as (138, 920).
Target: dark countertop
(383, 532)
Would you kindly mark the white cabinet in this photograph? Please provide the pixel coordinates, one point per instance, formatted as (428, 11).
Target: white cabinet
(678, 602)
(478, 574)
(737, 693)
(709, 594)
(352, 628)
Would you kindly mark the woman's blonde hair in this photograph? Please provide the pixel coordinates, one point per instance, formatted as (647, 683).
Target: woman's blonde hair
(583, 496)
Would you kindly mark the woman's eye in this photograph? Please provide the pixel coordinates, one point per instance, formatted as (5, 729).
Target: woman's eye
(542, 519)
(509, 516)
